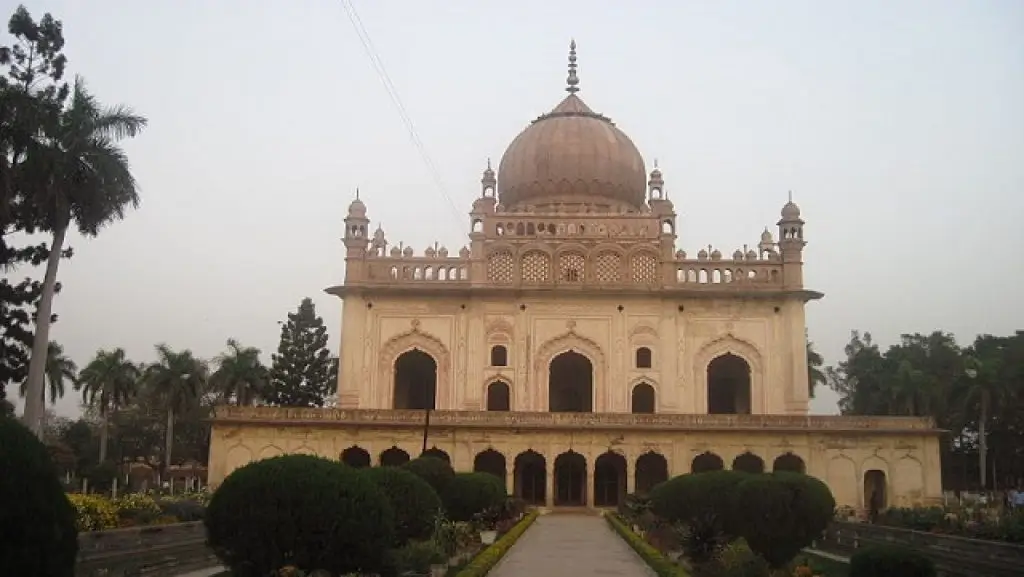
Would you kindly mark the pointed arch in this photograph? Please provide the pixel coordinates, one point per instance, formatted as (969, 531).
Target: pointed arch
(414, 339)
(729, 344)
(569, 342)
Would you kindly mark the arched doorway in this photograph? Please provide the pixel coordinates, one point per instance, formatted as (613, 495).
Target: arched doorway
(571, 479)
(571, 384)
(490, 461)
(643, 399)
(393, 457)
(748, 463)
(789, 462)
(436, 453)
(876, 493)
(651, 469)
(498, 397)
(705, 462)
(356, 456)
(529, 472)
(415, 381)
(609, 479)
(728, 386)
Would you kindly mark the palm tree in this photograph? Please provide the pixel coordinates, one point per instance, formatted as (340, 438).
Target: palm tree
(815, 374)
(179, 380)
(986, 387)
(58, 368)
(109, 381)
(240, 375)
(77, 175)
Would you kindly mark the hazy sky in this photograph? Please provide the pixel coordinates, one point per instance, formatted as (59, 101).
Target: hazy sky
(894, 123)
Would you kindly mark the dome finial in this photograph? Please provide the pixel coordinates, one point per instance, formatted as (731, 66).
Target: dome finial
(573, 81)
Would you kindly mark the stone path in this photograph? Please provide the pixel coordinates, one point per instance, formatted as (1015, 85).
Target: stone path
(561, 544)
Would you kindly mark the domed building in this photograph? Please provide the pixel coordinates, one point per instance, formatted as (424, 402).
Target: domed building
(573, 350)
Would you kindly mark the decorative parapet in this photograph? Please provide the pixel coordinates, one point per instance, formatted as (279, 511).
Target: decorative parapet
(540, 420)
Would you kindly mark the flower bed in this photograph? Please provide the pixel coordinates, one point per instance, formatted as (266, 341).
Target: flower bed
(98, 512)
(973, 522)
(489, 557)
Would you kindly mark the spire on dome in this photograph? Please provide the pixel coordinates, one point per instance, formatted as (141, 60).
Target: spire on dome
(572, 81)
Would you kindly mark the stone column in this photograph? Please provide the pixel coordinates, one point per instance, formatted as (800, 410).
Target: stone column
(549, 485)
(510, 482)
(590, 479)
(630, 476)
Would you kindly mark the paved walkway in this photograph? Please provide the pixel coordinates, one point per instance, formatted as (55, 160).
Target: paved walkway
(561, 544)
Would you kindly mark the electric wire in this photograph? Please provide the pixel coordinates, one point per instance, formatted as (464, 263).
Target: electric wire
(389, 87)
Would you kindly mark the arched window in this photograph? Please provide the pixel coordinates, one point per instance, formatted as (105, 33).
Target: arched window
(643, 358)
(499, 356)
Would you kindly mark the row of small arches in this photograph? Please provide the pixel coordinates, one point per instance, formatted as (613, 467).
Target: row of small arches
(430, 273)
(570, 480)
(707, 461)
(725, 276)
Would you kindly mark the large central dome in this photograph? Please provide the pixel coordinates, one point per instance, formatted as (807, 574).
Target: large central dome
(572, 156)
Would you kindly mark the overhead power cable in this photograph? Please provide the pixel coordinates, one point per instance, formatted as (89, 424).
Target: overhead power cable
(389, 87)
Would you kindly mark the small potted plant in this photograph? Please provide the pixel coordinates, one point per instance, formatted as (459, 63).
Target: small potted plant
(487, 521)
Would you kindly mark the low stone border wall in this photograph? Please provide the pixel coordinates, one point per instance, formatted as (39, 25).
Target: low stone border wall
(489, 557)
(155, 550)
(954, 556)
(661, 565)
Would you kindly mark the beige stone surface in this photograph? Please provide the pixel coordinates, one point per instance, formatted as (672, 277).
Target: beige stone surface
(564, 544)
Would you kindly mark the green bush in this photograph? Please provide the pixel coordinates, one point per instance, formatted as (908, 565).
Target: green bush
(782, 513)
(489, 557)
(37, 522)
(705, 504)
(471, 494)
(436, 472)
(890, 562)
(302, 511)
(662, 566)
(415, 557)
(415, 503)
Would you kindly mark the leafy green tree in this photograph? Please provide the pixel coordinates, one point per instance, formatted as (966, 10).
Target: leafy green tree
(31, 93)
(179, 380)
(80, 177)
(58, 369)
(302, 370)
(240, 376)
(107, 383)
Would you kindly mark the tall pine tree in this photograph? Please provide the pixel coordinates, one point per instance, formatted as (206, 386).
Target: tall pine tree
(303, 372)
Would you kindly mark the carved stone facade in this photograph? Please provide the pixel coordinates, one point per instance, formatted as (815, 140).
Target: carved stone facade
(572, 331)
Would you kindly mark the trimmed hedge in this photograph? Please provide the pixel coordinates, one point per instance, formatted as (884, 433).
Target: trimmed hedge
(413, 500)
(438, 473)
(489, 557)
(37, 522)
(662, 566)
(302, 511)
(471, 494)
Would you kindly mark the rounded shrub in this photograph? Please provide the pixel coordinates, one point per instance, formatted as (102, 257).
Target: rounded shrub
(783, 513)
(470, 494)
(436, 472)
(415, 503)
(704, 503)
(302, 511)
(37, 523)
(890, 562)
